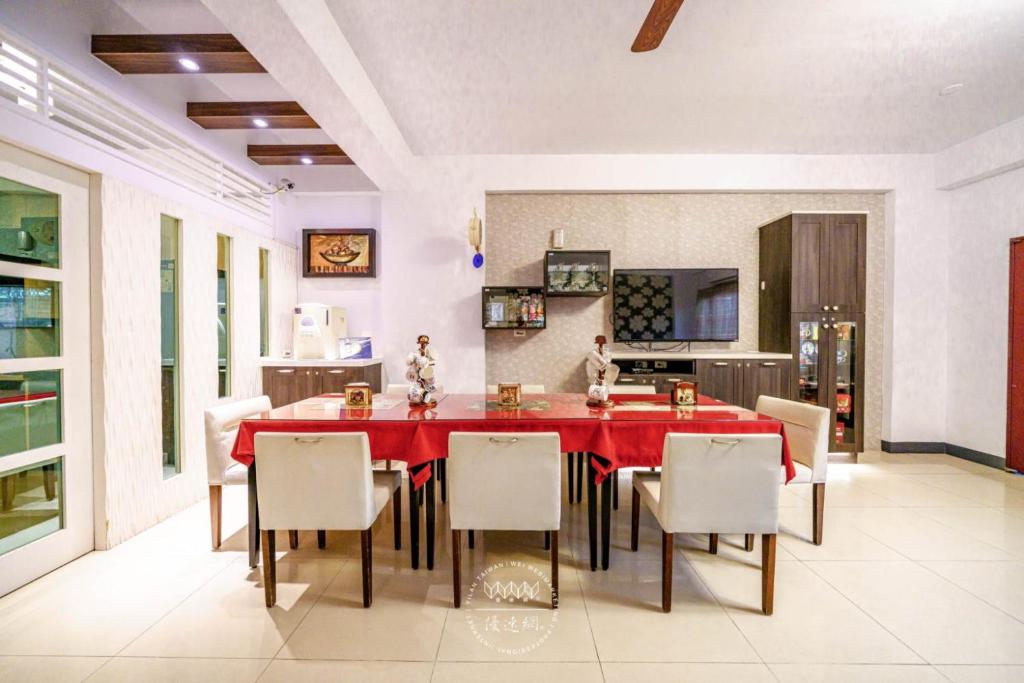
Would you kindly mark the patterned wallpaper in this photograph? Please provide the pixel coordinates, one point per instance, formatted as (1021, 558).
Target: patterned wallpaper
(658, 230)
(134, 494)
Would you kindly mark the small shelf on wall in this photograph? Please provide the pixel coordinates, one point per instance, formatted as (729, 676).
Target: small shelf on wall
(513, 308)
(577, 273)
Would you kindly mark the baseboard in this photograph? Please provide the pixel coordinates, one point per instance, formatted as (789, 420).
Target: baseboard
(979, 457)
(961, 452)
(913, 447)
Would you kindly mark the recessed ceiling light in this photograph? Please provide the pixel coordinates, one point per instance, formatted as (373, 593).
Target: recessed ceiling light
(306, 160)
(189, 64)
(260, 123)
(950, 89)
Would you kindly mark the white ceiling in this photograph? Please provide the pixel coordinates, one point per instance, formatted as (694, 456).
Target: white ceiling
(732, 76)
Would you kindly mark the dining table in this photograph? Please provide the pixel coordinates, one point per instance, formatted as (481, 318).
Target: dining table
(628, 432)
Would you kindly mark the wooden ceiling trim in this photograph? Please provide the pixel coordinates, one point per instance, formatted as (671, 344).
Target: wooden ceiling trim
(237, 115)
(292, 155)
(160, 53)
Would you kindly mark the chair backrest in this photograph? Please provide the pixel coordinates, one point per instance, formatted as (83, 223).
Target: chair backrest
(722, 483)
(504, 481)
(527, 388)
(807, 428)
(221, 422)
(632, 389)
(314, 481)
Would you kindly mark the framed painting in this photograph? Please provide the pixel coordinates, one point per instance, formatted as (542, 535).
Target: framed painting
(339, 252)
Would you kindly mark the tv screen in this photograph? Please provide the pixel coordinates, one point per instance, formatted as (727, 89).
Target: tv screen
(685, 304)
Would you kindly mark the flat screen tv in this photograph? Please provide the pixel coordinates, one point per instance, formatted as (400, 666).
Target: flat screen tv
(675, 305)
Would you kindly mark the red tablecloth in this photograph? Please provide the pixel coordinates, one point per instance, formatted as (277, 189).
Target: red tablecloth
(627, 435)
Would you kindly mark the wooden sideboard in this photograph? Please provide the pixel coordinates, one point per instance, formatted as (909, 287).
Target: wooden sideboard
(286, 384)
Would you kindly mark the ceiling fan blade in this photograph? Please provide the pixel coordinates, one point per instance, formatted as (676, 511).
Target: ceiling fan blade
(656, 24)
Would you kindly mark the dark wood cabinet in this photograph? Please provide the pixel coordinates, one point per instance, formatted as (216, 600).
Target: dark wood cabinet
(288, 384)
(741, 381)
(721, 379)
(765, 378)
(812, 299)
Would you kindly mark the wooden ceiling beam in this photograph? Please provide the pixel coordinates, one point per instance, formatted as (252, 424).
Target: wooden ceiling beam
(236, 115)
(212, 53)
(293, 155)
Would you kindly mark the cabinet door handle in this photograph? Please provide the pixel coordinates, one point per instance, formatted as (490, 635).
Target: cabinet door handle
(289, 371)
(825, 326)
(835, 308)
(335, 372)
(825, 307)
(626, 380)
(720, 364)
(673, 379)
(768, 364)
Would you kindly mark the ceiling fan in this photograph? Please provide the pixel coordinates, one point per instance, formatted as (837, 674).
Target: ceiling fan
(656, 25)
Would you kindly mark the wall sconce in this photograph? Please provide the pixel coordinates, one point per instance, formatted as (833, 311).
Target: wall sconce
(476, 235)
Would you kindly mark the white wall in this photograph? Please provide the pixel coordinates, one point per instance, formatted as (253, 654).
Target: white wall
(983, 217)
(359, 296)
(134, 494)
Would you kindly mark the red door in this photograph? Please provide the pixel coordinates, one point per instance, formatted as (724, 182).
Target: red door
(1015, 374)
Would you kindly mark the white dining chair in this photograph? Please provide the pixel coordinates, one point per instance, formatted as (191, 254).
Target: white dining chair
(807, 428)
(324, 482)
(221, 424)
(505, 482)
(713, 484)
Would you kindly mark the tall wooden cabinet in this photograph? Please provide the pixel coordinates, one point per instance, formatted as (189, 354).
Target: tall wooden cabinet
(812, 301)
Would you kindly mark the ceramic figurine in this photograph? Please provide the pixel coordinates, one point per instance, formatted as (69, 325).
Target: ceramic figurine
(420, 373)
(601, 372)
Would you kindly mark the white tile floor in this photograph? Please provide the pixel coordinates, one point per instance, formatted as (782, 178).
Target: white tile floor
(920, 578)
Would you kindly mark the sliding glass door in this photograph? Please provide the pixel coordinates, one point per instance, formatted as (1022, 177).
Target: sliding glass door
(46, 516)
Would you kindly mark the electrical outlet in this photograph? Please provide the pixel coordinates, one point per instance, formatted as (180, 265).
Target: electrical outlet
(518, 333)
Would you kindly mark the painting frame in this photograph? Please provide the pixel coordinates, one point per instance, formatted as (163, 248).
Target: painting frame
(310, 236)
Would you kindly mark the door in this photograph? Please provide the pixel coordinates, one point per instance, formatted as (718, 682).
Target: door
(764, 378)
(846, 382)
(810, 355)
(1015, 371)
(46, 513)
(808, 276)
(721, 379)
(844, 265)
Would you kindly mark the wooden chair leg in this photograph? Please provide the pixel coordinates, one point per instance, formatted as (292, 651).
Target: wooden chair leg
(321, 538)
(572, 497)
(767, 573)
(472, 539)
(9, 493)
(579, 477)
(547, 540)
(366, 543)
(819, 512)
(666, 572)
(293, 539)
(457, 566)
(554, 569)
(713, 544)
(269, 566)
(387, 465)
(634, 529)
(748, 542)
(396, 502)
(442, 474)
(215, 514)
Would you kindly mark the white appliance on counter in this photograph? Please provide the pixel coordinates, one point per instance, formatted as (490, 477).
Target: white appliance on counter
(316, 329)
